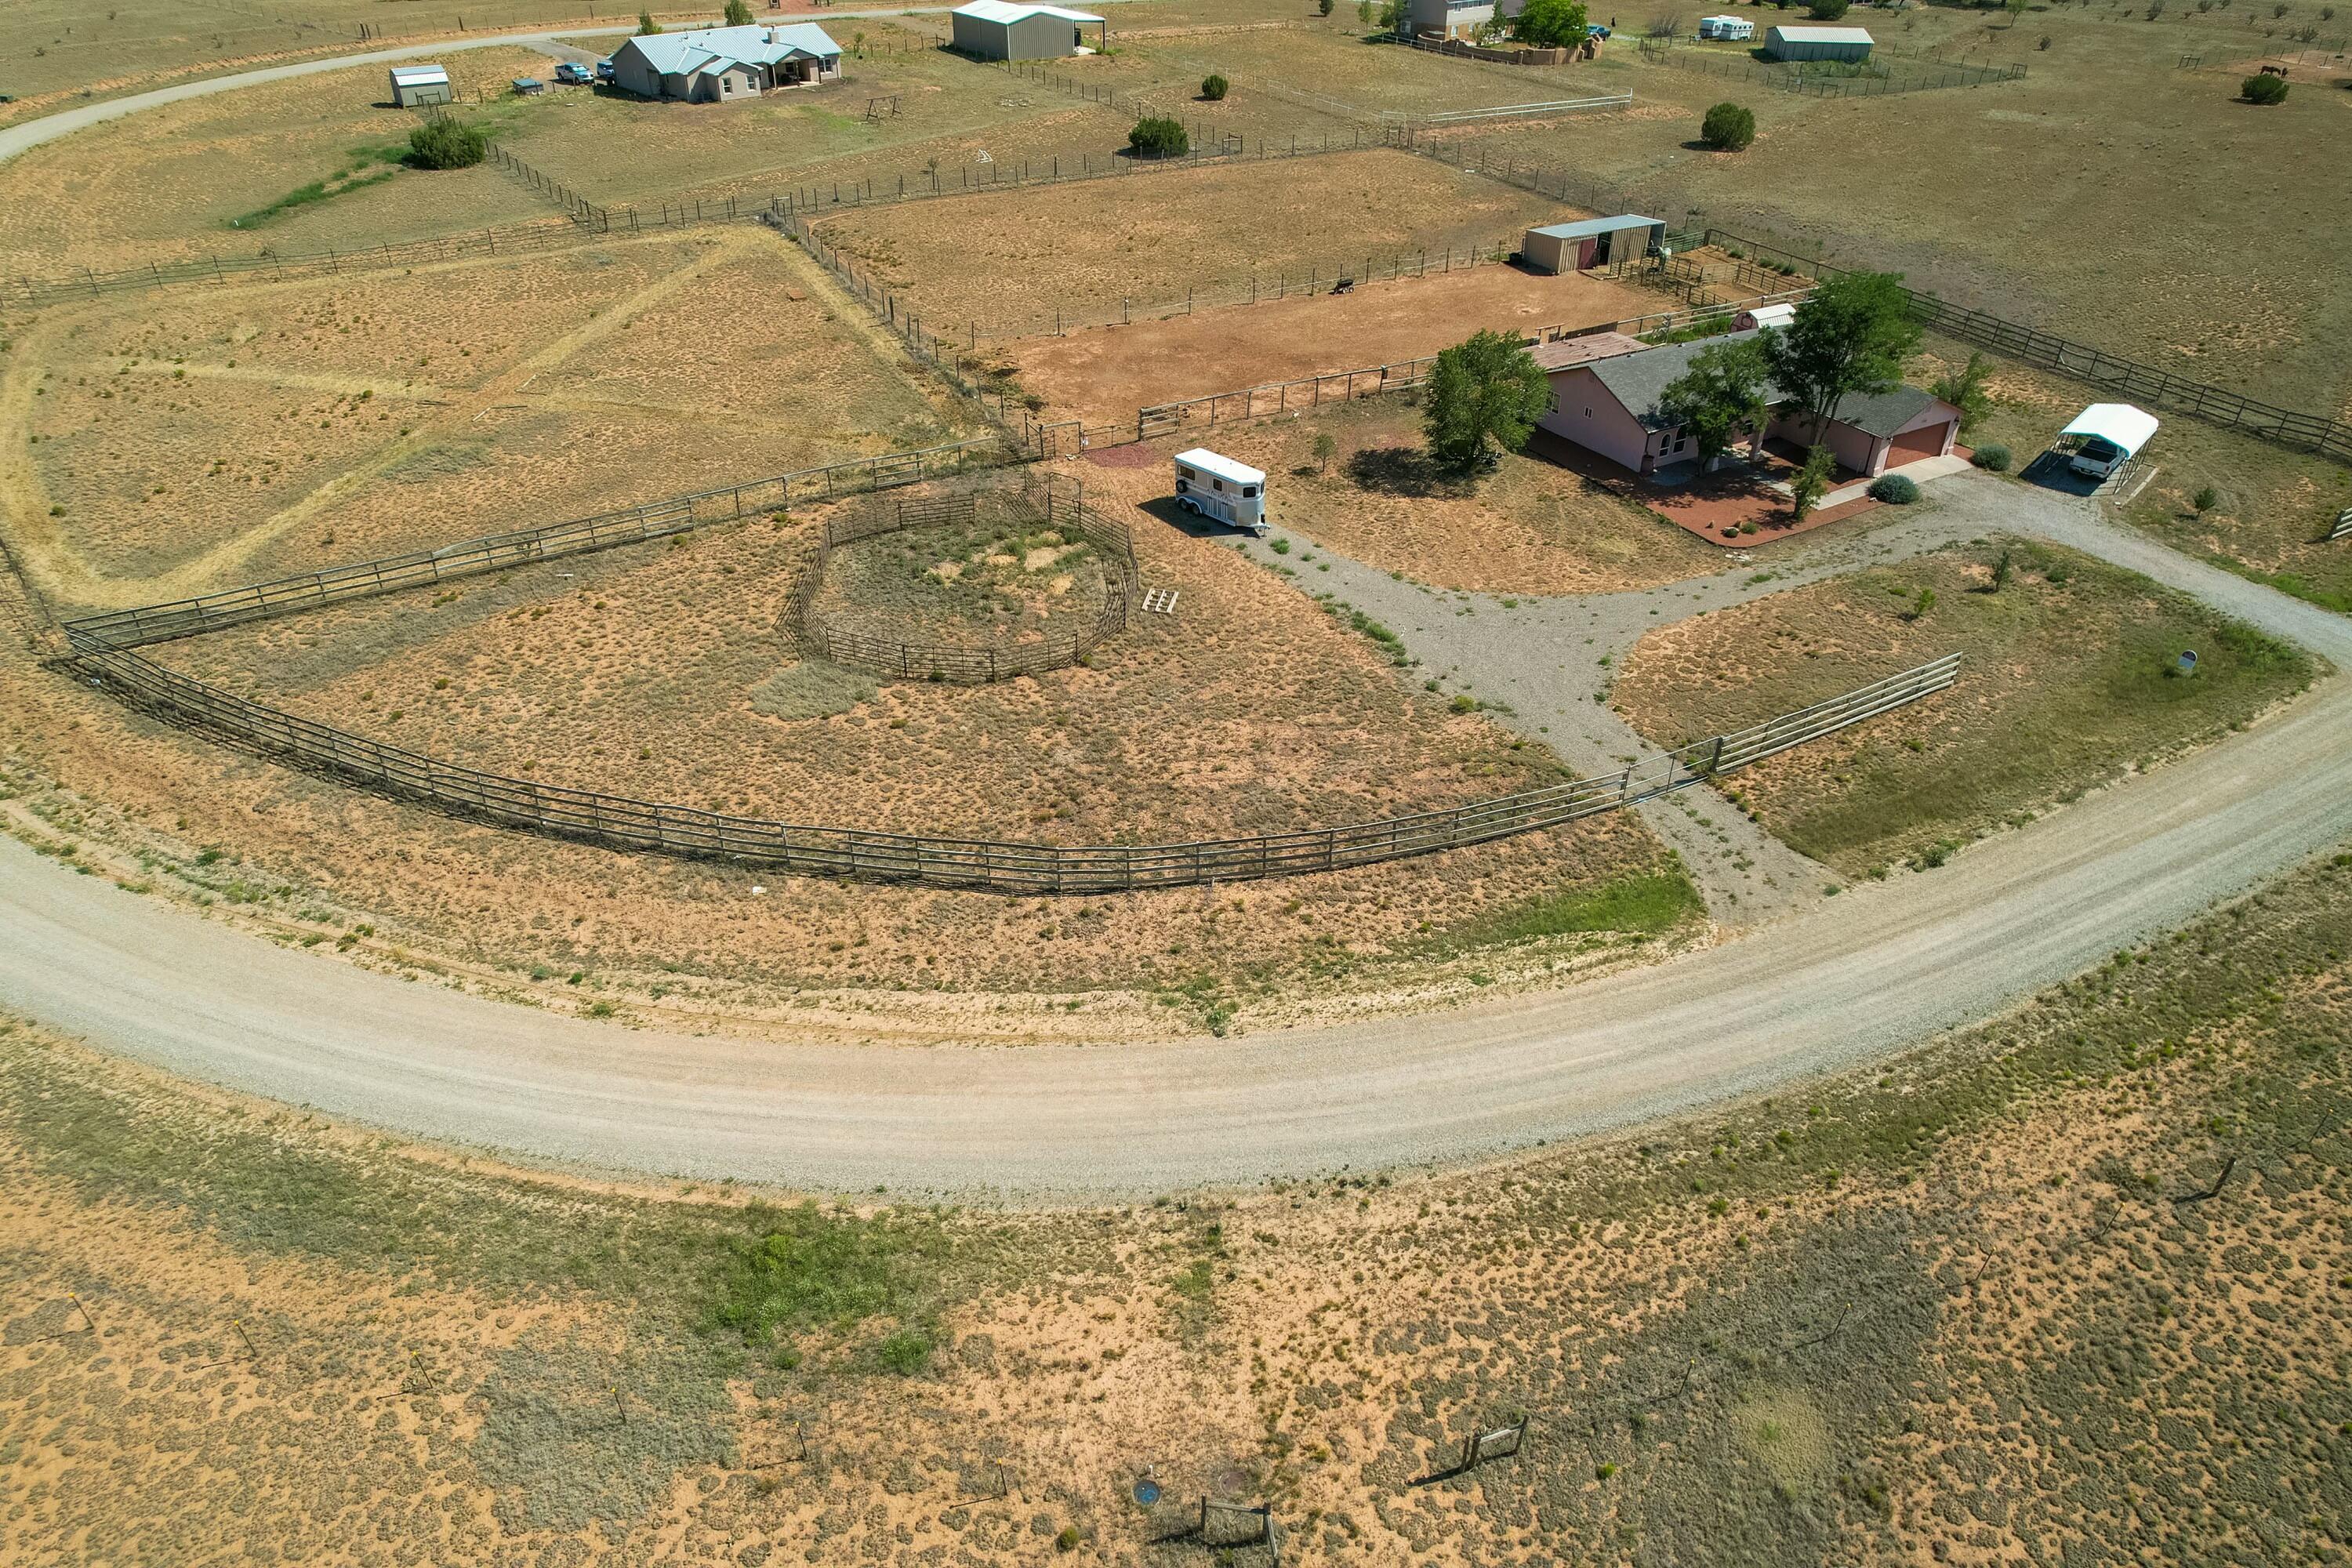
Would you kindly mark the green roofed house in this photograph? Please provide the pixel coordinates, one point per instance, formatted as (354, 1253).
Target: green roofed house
(1799, 43)
(1005, 30)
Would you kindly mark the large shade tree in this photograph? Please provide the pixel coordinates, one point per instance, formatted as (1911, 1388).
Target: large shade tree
(1849, 339)
(1485, 392)
(1550, 25)
(1725, 394)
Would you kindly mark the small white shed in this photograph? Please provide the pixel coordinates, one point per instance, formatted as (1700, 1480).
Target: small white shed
(1757, 316)
(1208, 485)
(413, 86)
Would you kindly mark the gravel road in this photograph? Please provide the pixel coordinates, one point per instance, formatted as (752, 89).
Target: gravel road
(1842, 981)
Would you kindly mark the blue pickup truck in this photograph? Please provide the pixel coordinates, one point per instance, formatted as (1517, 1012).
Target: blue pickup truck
(571, 73)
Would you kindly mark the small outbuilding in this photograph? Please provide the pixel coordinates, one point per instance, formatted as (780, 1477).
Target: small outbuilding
(1850, 43)
(1730, 30)
(1592, 242)
(1757, 316)
(1006, 30)
(2105, 437)
(412, 86)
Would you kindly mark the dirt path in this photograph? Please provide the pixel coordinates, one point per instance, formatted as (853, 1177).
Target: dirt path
(1843, 981)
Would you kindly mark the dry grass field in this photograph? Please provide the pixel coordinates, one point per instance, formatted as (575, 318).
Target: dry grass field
(2068, 681)
(1002, 263)
(642, 672)
(1005, 580)
(195, 439)
(1949, 1311)
(1534, 527)
(165, 184)
(1104, 374)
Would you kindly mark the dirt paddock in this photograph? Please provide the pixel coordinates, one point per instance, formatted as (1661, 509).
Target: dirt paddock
(1108, 373)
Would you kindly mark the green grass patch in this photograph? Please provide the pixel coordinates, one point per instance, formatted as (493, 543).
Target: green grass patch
(1643, 906)
(366, 166)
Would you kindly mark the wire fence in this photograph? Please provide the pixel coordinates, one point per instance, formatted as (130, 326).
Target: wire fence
(622, 823)
(1882, 73)
(578, 207)
(968, 664)
(502, 552)
(2095, 367)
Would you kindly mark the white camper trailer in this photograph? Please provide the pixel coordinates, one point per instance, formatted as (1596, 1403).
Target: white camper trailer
(1210, 486)
(1735, 29)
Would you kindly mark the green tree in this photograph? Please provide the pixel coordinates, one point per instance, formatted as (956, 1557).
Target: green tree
(2016, 9)
(2263, 89)
(1721, 396)
(647, 25)
(1326, 445)
(1550, 25)
(1828, 10)
(1322, 7)
(1393, 16)
(1215, 88)
(1485, 391)
(1158, 136)
(446, 144)
(738, 14)
(1728, 128)
(1811, 482)
(1964, 389)
(1922, 604)
(1849, 338)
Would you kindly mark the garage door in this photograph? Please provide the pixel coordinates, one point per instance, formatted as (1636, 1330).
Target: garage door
(1913, 445)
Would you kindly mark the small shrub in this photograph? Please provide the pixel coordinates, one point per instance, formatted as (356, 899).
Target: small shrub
(1215, 88)
(1894, 489)
(1923, 604)
(1158, 136)
(2000, 572)
(2207, 499)
(1828, 10)
(1322, 7)
(446, 144)
(1069, 1540)
(1729, 128)
(646, 27)
(1991, 457)
(905, 1352)
(2263, 89)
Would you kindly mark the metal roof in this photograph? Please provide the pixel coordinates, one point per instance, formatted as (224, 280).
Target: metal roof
(1000, 11)
(1822, 35)
(418, 76)
(1591, 346)
(1638, 380)
(2126, 426)
(1209, 462)
(1586, 227)
(683, 54)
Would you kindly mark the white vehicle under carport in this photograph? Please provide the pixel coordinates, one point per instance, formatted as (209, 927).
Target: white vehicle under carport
(2104, 437)
(1210, 486)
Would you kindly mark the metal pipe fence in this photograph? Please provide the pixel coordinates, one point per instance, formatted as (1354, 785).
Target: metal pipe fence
(994, 865)
(501, 551)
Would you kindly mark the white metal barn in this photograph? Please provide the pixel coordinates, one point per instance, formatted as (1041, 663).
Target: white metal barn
(1208, 485)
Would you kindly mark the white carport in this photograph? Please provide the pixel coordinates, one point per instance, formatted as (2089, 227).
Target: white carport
(2119, 424)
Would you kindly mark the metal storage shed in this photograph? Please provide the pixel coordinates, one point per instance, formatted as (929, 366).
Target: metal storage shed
(1817, 43)
(414, 85)
(1594, 242)
(1000, 30)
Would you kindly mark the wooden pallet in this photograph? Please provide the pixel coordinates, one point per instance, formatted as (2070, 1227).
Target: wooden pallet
(1160, 601)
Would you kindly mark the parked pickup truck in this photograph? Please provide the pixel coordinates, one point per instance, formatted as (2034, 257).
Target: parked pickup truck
(604, 69)
(571, 73)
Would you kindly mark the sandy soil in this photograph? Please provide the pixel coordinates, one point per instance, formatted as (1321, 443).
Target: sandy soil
(1105, 374)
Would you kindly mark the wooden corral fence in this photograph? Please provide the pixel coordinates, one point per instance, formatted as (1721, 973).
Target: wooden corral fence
(1004, 865)
(965, 663)
(501, 551)
(2095, 367)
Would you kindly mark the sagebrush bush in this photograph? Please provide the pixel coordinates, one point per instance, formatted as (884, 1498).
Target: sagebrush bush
(446, 144)
(1894, 488)
(1992, 456)
(1728, 128)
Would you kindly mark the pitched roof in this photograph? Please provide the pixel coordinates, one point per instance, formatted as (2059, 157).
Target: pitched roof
(1586, 227)
(1591, 346)
(1638, 380)
(1001, 11)
(418, 76)
(1822, 34)
(683, 54)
